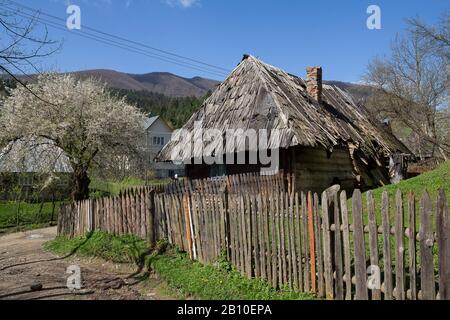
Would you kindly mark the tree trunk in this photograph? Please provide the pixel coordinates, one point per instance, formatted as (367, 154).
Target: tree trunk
(53, 207)
(81, 183)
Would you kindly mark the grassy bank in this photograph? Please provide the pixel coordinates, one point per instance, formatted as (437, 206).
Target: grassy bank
(430, 181)
(184, 278)
(19, 216)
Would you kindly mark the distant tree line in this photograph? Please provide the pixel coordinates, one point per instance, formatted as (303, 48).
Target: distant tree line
(176, 111)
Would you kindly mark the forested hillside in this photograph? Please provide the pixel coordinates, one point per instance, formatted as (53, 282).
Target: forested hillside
(174, 110)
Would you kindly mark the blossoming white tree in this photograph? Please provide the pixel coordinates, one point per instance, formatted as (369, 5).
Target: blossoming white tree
(82, 119)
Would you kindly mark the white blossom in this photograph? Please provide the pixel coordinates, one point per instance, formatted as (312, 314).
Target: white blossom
(80, 117)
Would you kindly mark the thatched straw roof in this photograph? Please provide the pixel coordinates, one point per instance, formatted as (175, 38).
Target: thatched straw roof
(260, 96)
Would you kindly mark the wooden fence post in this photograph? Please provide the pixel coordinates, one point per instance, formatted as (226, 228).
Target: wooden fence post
(328, 273)
(346, 243)
(412, 292)
(443, 238)
(150, 205)
(304, 224)
(373, 240)
(386, 230)
(292, 239)
(188, 223)
(312, 252)
(426, 249)
(359, 245)
(318, 240)
(399, 248)
(339, 284)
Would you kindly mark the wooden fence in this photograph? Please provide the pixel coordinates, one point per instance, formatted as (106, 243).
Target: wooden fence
(128, 213)
(337, 248)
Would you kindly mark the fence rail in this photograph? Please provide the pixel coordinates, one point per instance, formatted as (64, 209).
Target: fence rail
(337, 247)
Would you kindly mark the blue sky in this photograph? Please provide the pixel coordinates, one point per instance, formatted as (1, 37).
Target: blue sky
(289, 34)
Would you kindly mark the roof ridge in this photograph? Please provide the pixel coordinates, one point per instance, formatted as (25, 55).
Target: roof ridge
(264, 81)
(285, 118)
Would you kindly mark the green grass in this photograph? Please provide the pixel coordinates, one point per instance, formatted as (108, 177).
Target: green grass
(185, 278)
(192, 279)
(101, 187)
(430, 181)
(118, 249)
(30, 215)
(114, 187)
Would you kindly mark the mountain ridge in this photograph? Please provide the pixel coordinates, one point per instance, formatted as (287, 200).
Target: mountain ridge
(165, 83)
(172, 85)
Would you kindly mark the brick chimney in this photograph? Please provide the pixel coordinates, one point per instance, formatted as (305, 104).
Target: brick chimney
(314, 83)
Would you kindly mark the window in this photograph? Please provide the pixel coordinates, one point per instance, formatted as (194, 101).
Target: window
(158, 141)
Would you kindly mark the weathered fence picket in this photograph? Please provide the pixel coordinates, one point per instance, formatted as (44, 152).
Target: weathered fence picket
(359, 246)
(338, 265)
(426, 249)
(443, 238)
(346, 244)
(318, 247)
(373, 239)
(328, 273)
(411, 233)
(399, 248)
(304, 232)
(388, 285)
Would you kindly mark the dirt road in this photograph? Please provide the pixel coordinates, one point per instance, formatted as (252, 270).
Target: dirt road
(23, 263)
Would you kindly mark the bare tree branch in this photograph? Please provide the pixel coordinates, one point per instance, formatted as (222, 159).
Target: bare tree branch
(413, 83)
(20, 45)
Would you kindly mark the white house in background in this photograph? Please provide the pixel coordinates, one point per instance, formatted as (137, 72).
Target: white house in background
(158, 134)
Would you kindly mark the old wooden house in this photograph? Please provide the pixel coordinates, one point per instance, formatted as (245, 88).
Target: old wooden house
(324, 137)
